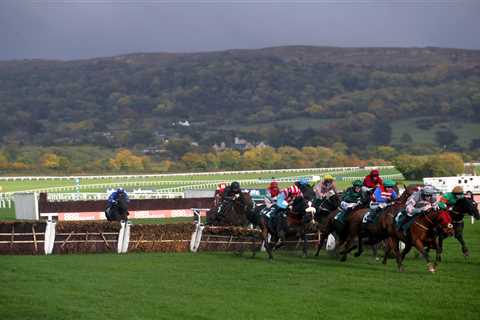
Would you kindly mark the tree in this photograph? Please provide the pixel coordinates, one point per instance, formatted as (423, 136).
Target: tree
(126, 160)
(445, 164)
(194, 161)
(229, 159)
(406, 138)
(50, 161)
(381, 133)
(385, 152)
(412, 167)
(446, 137)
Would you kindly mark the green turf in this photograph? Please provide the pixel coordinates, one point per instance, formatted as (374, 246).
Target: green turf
(92, 185)
(226, 286)
(466, 131)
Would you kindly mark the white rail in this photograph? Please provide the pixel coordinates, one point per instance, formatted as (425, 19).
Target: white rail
(189, 174)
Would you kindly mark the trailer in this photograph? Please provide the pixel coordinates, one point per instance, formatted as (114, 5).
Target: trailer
(469, 183)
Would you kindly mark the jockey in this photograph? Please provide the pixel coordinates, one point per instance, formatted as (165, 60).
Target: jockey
(451, 198)
(272, 193)
(231, 193)
(219, 193)
(115, 195)
(420, 202)
(286, 196)
(326, 188)
(352, 197)
(372, 180)
(384, 195)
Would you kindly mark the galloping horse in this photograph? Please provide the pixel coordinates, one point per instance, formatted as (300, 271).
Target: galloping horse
(421, 234)
(379, 231)
(324, 207)
(119, 210)
(463, 205)
(334, 226)
(234, 213)
(299, 220)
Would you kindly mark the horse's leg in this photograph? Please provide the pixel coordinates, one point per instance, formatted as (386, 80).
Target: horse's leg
(375, 251)
(420, 247)
(321, 242)
(283, 239)
(266, 243)
(406, 250)
(387, 250)
(400, 256)
(348, 247)
(360, 244)
(305, 244)
(459, 236)
(439, 248)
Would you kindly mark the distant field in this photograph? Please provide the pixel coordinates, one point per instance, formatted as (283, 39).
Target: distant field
(465, 131)
(300, 123)
(88, 185)
(209, 285)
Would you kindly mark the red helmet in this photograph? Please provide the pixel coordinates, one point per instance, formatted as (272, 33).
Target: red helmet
(374, 173)
(273, 185)
(294, 190)
(221, 186)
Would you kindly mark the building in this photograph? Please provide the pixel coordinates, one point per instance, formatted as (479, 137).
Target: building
(446, 184)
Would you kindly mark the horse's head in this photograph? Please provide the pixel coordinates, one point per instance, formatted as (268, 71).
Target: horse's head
(304, 208)
(443, 222)
(467, 205)
(122, 202)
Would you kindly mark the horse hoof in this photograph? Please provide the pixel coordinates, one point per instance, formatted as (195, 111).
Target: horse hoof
(357, 254)
(431, 268)
(466, 254)
(343, 258)
(401, 269)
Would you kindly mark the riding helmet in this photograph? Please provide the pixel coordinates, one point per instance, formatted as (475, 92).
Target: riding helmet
(357, 183)
(389, 183)
(235, 186)
(457, 190)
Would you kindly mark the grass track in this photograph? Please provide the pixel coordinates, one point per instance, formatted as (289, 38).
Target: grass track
(226, 286)
(9, 186)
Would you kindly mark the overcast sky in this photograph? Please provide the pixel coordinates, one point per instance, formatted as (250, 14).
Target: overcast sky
(73, 29)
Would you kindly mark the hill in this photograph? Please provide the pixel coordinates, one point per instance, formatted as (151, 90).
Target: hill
(138, 100)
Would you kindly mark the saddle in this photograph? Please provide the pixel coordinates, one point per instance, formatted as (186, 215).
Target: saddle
(341, 215)
(372, 216)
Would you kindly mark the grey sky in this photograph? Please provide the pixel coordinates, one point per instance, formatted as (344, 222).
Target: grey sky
(74, 29)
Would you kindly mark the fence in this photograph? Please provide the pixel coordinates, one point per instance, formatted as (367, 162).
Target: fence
(187, 174)
(177, 186)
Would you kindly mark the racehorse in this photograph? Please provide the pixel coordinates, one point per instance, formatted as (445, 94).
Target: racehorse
(118, 211)
(235, 212)
(298, 220)
(421, 234)
(324, 206)
(379, 231)
(462, 206)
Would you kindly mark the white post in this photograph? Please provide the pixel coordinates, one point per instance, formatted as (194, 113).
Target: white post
(49, 240)
(126, 237)
(120, 237)
(197, 233)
